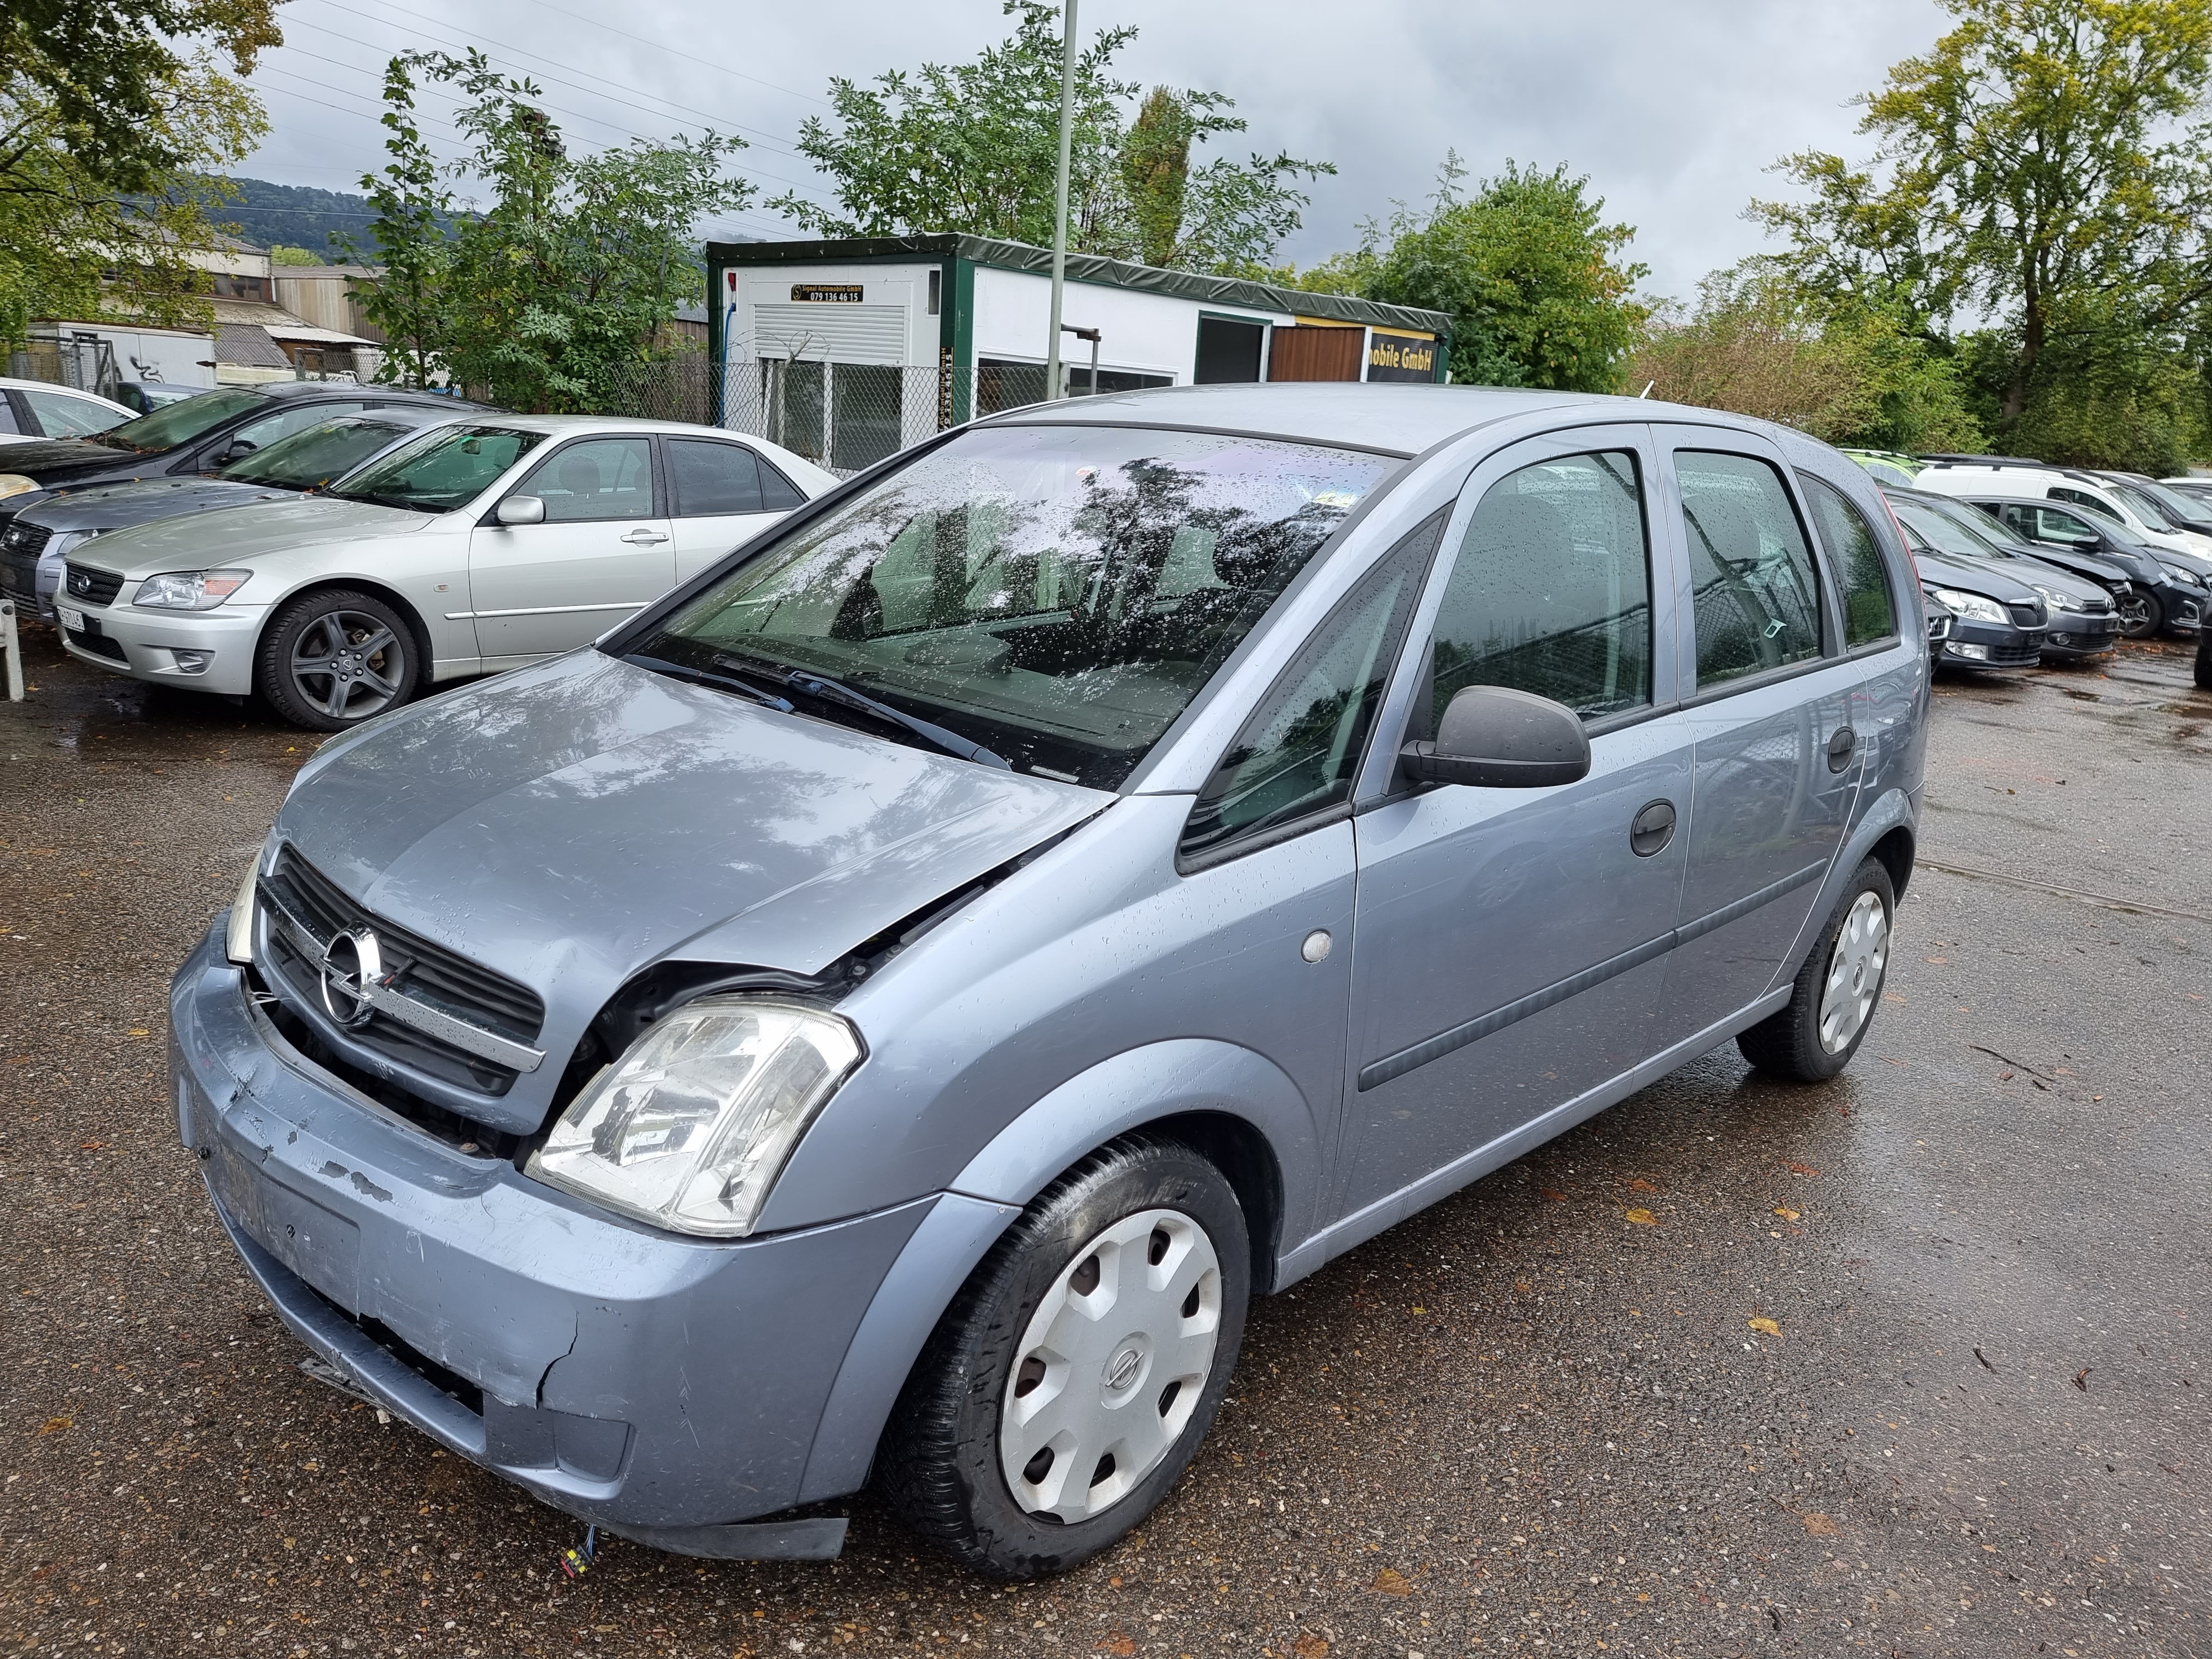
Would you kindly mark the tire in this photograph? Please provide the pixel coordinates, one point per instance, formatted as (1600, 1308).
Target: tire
(2142, 614)
(367, 654)
(995, 1423)
(1815, 1036)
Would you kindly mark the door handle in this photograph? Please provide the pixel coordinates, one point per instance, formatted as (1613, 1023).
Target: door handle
(644, 537)
(1651, 828)
(1840, 747)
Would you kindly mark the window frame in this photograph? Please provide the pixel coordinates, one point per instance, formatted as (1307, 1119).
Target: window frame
(1380, 783)
(1740, 441)
(545, 458)
(665, 458)
(1879, 526)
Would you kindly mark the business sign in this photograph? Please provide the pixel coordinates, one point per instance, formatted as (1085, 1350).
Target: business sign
(825, 294)
(1401, 356)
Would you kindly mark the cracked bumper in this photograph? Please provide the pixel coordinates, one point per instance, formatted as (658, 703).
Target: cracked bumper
(625, 1376)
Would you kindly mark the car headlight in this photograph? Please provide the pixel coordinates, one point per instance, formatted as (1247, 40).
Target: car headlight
(190, 590)
(238, 933)
(2054, 599)
(689, 1129)
(2177, 574)
(1972, 605)
(15, 483)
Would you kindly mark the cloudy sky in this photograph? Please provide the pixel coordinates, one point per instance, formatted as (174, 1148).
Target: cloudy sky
(1675, 111)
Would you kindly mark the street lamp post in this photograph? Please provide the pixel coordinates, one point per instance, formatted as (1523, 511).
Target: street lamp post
(1052, 387)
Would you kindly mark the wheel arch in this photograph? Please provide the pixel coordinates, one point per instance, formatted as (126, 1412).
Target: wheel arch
(417, 628)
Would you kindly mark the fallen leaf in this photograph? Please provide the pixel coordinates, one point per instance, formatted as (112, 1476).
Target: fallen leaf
(1556, 1197)
(1118, 1645)
(1420, 1310)
(1804, 1169)
(92, 1145)
(1643, 1218)
(1940, 962)
(54, 1426)
(1786, 1212)
(1766, 1325)
(1819, 1525)
(1391, 1581)
(1310, 1646)
(140, 1030)
(2081, 1379)
(1640, 1185)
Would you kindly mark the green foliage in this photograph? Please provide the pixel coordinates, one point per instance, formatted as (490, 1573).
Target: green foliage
(109, 112)
(553, 292)
(973, 148)
(2037, 166)
(1848, 371)
(280, 254)
(1531, 275)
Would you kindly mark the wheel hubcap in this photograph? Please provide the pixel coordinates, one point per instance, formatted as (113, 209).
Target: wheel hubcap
(1111, 1366)
(348, 665)
(1854, 969)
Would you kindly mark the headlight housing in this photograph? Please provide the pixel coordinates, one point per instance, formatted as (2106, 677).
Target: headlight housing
(689, 1129)
(1972, 604)
(2186, 577)
(2057, 600)
(15, 483)
(190, 590)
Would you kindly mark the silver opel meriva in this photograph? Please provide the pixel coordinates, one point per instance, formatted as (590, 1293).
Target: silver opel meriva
(885, 1009)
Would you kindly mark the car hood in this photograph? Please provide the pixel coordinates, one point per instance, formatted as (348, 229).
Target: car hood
(142, 501)
(44, 458)
(238, 535)
(1973, 576)
(569, 825)
(2107, 573)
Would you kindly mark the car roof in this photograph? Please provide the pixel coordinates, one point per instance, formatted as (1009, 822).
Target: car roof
(1397, 419)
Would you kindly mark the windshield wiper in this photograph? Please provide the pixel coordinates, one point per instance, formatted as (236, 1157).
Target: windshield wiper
(820, 689)
(744, 689)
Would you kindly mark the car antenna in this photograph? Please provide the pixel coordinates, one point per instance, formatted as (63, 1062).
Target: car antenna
(1646, 392)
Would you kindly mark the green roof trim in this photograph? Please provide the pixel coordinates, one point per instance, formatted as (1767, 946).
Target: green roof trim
(1084, 268)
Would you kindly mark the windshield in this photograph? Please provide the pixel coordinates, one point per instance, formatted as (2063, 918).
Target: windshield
(180, 422)
(1057, 594)
(2159, 509)
(1949, 533)
(310, 458)
(443, 469)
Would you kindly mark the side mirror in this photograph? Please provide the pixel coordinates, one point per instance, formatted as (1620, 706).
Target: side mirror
(2086, 547)
(521, 509)
(1502, 740)
(236, 450)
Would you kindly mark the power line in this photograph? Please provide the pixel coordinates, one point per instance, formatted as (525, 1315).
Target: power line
(688, 56)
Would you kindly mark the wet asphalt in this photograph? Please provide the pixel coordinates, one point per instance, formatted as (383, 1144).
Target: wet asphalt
(1913, 1362)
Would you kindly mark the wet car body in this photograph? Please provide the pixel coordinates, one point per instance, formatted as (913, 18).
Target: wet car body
(2054, 530)
(2007, 629)
(566, 858)
(2082, 618)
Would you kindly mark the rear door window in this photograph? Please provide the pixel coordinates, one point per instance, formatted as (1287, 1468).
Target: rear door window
(1755, 591)
(61, 415)
(1551, 590)
(712, 478)
(1855, 555)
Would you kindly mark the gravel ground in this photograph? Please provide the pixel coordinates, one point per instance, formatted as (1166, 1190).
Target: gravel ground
(1908, 1362)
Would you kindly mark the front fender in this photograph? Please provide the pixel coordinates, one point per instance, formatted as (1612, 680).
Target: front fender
(1139, 1087)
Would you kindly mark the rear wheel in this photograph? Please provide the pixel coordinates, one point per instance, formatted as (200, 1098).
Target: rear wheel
(1836, 991)
(2141, 614)
(332, 660)
(1065, 1389)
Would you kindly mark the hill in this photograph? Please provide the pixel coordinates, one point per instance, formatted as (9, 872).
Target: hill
(266, 214)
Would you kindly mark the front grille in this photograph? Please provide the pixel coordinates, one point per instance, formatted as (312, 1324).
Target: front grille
(2097, 605)
(2028, 613)
(414, 966)
(2026, 649)
(101, 646)
(93, 586)
(20, 538)
(19, 575)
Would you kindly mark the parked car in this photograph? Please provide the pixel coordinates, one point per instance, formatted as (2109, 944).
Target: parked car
(1887, 465)
(1941, 621)
(2031, 481)
(478, 545)
(144, 397)
(2162, 508)
(891, 1002)
(2168, 590)
(1997, 622)
(200, 435)
(34, 545)
(2080, 613)
(2195, 487)
(37, 408)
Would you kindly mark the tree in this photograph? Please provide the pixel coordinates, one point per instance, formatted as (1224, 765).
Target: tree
(2029, 166)
(554, 291)
(973, 148)
(1528, 270)
(112, 113)
(1754, 344)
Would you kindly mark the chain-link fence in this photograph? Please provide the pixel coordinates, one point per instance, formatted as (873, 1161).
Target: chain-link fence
(84, 361)
(845, 416)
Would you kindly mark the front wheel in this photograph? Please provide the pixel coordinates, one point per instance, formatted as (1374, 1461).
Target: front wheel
(332, 660)
(2141, 614)
(1833, 1002)
(1067, 1388)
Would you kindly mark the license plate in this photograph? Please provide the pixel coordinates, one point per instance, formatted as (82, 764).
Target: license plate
(72, 620)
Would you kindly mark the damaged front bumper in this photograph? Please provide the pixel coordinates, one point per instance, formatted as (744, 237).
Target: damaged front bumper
(663, 1388)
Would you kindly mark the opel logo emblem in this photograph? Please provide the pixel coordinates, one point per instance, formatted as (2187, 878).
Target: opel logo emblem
(351, 964)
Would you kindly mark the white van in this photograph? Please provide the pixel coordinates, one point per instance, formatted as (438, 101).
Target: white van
(1970, 477)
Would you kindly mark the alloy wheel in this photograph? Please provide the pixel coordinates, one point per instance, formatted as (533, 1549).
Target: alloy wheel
(348, 664)
(1111, 1366)
(1855, 970)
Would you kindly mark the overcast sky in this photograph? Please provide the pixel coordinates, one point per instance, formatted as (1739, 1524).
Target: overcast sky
(1674, 110)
